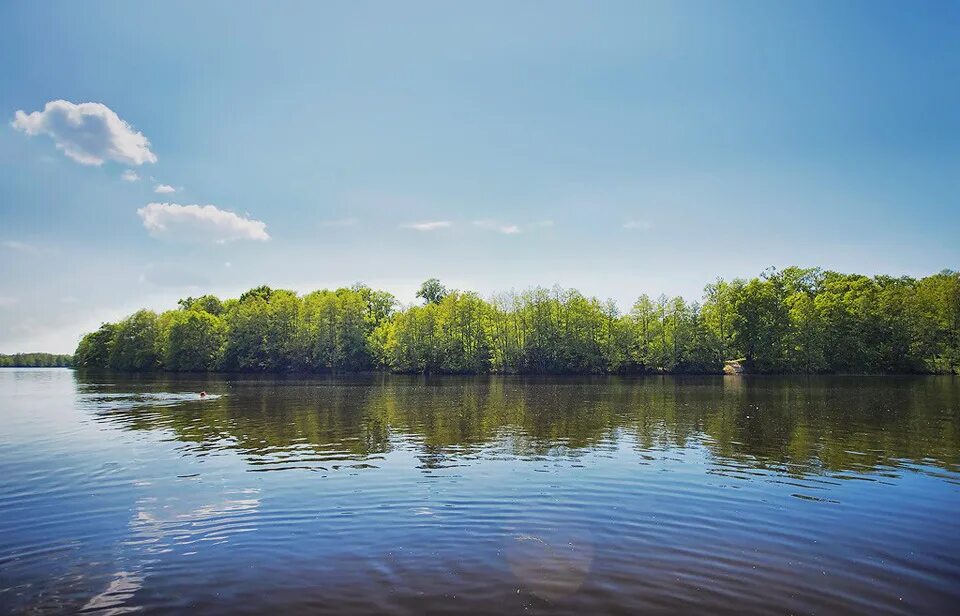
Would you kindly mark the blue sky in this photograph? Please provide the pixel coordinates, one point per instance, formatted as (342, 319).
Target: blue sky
(618, 148)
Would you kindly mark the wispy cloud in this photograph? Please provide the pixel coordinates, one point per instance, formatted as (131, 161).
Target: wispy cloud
(130, 176)
(6, 300)
(432, 225)
(172, 275)
(506, 229)
(19, 246)
(89, 133)
(340, 222)
(199, 223)
(164, 189)
(640, 225)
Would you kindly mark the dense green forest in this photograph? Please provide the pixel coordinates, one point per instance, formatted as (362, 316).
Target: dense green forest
(34, 360)
(791, 320)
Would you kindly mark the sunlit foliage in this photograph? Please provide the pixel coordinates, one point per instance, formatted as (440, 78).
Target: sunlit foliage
(791, 320)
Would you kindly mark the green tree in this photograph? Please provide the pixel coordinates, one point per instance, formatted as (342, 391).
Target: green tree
(718, 314)
(432, 291)
(135, 342)
(94, 348)
(248, 321)
(205, 303)
(194, 341)
(761, 322)
(806, 347)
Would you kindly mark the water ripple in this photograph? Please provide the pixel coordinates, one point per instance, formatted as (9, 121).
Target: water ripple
(395, 495)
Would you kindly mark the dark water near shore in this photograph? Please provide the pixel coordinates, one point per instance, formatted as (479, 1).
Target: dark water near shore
(719, 495)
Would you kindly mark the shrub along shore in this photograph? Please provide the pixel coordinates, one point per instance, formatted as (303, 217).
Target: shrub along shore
(784, 321)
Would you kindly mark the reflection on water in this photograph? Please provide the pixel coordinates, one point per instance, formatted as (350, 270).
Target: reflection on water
(404, 494)
(793, 426)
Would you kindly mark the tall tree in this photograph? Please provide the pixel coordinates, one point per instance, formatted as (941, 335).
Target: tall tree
(432, 291)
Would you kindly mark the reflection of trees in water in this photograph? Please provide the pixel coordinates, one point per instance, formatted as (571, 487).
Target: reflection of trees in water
(851, 423)
(792, 425)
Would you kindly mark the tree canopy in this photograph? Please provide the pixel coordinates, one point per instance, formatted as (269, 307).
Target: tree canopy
(793, 320)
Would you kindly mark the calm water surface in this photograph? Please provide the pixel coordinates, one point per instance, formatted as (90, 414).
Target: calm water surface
(382, 494)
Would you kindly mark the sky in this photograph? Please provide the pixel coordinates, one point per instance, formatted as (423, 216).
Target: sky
(153, 151)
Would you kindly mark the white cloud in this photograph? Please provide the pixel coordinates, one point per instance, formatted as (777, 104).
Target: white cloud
(164, 188)
(6, 300)
(130, 176)
(89, 133)
(642, 225)
(199, 223)
(496, 226)
(432, 225)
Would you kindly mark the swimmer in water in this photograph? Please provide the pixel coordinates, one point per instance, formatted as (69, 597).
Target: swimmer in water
(203, 394)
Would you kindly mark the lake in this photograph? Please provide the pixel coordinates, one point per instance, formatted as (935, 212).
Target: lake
(390, 494)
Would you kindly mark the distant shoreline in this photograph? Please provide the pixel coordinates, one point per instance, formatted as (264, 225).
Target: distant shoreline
(522, 375)
(35, 360)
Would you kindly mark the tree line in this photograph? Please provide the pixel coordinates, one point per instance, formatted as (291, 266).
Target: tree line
(35, 360)
(795, 320)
